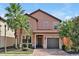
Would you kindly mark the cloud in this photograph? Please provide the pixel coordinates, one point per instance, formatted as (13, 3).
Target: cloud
(68, 17)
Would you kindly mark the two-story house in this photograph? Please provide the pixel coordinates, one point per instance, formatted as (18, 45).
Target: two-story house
(44, 30)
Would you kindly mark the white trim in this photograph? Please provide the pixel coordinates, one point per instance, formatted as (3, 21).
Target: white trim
(46, 41)
(60, 43)
(44, 44)
(35, 42)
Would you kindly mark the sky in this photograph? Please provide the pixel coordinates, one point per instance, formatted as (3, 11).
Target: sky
(62, 11)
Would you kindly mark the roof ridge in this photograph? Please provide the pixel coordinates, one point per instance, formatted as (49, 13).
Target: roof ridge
(45, 13)
(2, 19)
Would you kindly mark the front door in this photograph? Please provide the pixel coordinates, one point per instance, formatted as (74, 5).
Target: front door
(39, 41)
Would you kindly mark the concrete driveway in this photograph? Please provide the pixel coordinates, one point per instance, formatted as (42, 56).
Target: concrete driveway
(46, 52)
(50, 52)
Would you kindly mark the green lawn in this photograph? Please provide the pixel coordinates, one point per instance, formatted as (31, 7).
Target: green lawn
(17, 52)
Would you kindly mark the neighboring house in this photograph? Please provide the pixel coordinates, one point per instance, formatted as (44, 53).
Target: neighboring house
(44, 30)
(9, 34)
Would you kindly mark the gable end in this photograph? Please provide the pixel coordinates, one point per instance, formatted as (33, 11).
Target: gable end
(46, 14)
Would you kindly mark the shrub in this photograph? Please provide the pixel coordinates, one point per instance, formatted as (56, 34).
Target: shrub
(25, 46)
(63, 47)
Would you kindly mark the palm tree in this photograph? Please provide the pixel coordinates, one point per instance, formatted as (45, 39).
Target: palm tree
(23, 26)
(16, 19)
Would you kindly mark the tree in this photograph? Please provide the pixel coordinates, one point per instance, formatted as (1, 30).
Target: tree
(23, 26)
(65, 28)
(16, 18)
(75, 33)
(70, 29)
(65, 31)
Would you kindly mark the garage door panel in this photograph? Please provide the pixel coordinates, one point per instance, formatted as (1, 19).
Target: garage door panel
(53, 43)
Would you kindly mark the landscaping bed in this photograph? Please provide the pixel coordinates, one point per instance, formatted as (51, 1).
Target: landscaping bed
(72, 52)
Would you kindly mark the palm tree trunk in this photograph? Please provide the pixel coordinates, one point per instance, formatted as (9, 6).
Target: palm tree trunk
(16, 40)
(27, 44)
(16, 43)
(21, 38)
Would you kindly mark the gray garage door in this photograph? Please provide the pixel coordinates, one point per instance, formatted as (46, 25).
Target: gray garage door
(52, 43)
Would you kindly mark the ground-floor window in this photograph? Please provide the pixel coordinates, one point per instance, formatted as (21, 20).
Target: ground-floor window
(27, 41)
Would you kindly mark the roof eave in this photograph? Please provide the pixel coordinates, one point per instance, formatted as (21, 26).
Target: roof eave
(2, 19)
(31, 17)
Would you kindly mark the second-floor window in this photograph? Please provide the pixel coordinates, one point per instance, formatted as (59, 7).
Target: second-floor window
(55, 26)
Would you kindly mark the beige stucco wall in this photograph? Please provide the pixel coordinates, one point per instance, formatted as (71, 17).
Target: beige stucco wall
(10, 41)
(9, 35)
(9, 32)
